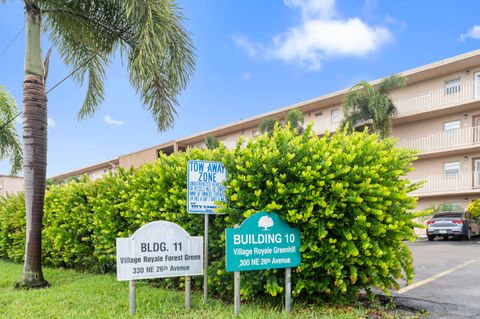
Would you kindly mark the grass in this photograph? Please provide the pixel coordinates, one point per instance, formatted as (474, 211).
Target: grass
(84, 295)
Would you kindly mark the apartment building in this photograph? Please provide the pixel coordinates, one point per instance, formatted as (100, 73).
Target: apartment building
(10, 185)
(438, 115)
(93, 171)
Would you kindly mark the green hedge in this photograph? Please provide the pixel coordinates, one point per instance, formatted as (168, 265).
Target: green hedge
(474, 209)
(346, 192)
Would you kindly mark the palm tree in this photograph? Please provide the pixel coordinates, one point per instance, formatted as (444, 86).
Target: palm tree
(211, 142)
(367, 104)
(267, 126)
(87, 33)
(296, 119)
(10, 147)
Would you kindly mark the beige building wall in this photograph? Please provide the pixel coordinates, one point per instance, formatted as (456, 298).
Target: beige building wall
(139, 158)
(435, 166)
(416, 129)
(10, 185)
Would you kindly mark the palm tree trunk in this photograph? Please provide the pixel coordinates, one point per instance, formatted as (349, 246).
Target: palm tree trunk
(35, 150)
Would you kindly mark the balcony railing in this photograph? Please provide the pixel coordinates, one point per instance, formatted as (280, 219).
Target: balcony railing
(435, 99)
(323, 125)
(445, 183)
(426, 101)
(443, 140)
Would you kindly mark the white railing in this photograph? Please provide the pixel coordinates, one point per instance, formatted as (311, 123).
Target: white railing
(426, 101)
(444, 183)
(434, 99)
(443, 140)
(322, 125)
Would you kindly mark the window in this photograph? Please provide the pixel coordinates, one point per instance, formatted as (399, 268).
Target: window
(335, 116)
(451, 169)
(452, 86)
(452, 126)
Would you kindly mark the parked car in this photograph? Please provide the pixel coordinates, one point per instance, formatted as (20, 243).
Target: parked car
(457, 224)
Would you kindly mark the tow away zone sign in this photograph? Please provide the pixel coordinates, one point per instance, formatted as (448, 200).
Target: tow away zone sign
(204, 186)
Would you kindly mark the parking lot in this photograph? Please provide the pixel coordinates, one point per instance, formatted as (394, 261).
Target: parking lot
(447, 278)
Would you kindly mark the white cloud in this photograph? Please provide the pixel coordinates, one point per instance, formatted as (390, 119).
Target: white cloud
(314, 9)
(51, 122)
(246, 76)
(109, 120)
(473, 33)
(248, 46)
(321, 34)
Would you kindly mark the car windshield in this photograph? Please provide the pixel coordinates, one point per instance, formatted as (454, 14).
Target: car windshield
(449, 215)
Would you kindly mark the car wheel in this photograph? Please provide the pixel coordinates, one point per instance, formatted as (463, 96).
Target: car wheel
(468, 236)
(431, 238)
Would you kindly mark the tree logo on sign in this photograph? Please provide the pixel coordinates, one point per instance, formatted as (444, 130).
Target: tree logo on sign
(265, 222)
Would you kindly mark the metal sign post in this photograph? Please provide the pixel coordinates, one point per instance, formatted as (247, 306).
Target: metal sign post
(288, 289)
(205, 262)
(133, 296)
(236, 293)
(236, 290)
(204, 188)
(188, 292)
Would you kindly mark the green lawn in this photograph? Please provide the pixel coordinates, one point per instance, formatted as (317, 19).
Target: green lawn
(83, 295)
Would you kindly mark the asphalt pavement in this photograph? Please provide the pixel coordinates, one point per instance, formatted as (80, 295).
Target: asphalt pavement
(447, 279)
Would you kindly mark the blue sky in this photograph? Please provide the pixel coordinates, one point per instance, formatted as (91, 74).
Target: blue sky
(252, 57)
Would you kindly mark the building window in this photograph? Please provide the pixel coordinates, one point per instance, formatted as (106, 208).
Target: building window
(452, 86)
(335, 116)
(451, 127)
(451, 169)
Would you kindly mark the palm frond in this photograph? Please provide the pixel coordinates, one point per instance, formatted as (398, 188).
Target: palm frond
(10, 147)
(87, 33)
(391, 83)
(162, 60)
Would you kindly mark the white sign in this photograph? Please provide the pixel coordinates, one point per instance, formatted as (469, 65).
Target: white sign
(205, 186)
(159, 249)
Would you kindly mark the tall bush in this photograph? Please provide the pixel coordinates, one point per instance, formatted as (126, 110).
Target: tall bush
(12, 227)
(474, 209)
(348, 196)
(346, 193)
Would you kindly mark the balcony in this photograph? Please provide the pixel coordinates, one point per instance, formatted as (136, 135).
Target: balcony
(431, 100)
(435, 99)
(322, 125)
(444, 184)
(453, 139)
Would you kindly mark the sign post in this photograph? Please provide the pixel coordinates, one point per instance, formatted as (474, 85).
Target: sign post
(236, 290)
(288, 289)
(157, 250)
(263, 241)
(205, 261)
(133, 296)
(188, 292)
(204, 188)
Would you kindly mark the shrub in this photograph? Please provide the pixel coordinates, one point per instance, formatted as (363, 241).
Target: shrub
(67, 226)
(12, 227)
(348, 196)
(346, 193)
(474, 208)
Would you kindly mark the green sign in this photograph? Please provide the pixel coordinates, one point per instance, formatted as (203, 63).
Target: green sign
(263, 241)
